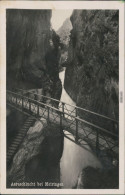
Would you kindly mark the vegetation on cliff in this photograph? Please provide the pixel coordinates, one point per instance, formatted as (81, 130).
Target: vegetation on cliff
(92, 73)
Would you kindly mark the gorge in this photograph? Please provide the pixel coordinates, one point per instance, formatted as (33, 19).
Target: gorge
(77, 64)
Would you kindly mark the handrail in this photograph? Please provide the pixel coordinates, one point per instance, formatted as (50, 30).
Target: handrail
(41, 103)
(42, 96)
(32, 100)
(76, 118)
(96, 126)
(91, 112)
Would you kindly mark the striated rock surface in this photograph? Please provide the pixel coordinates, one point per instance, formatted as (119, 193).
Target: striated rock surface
(28, 149)
(41, 148)
(32, 51)
(91, 77)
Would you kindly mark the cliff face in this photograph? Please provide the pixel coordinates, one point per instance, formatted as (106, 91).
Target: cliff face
(64, 34)
(32, 51)
(40, 151)
(95, 178)
(91, 77)
(64, 31)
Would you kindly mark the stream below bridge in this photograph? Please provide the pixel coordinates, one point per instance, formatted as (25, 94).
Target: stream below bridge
(74, 158)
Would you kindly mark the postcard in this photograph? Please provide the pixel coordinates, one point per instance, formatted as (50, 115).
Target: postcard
(62, 97)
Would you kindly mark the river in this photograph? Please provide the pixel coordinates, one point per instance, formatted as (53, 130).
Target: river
(74, 158)
(65, 97)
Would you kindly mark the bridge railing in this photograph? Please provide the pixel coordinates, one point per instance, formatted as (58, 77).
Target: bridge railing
(99, 137)
(92, 117)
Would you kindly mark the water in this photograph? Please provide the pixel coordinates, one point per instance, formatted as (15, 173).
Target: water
(69, 106)
(74, 158)
(65, 97)
(47, 166)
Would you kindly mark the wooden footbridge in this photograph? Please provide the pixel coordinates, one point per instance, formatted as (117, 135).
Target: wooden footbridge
(82, 124)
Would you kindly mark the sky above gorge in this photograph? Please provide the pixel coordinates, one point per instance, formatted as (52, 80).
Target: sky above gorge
(58, 17)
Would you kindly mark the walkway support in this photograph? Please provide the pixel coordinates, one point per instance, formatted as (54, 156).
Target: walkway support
(69, 119)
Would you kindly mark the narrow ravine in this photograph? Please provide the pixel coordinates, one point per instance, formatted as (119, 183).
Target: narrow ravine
(65, 97)
(74, 158)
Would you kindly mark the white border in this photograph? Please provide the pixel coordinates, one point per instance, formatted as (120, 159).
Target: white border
(58, 5)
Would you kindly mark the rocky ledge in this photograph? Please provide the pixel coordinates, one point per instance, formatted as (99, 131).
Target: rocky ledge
(41, 140)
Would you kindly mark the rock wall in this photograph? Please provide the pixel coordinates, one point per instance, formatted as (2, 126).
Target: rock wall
(40, 151)
(32, 51)
(92, 73)
(64, 34)
(95, 178)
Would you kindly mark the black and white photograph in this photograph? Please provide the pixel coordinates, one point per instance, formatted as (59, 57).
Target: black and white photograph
(62, 99)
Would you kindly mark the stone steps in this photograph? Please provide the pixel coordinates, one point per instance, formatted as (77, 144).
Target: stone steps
(19, 138)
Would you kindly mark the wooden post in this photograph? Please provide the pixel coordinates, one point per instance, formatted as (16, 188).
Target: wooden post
(76, 139)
